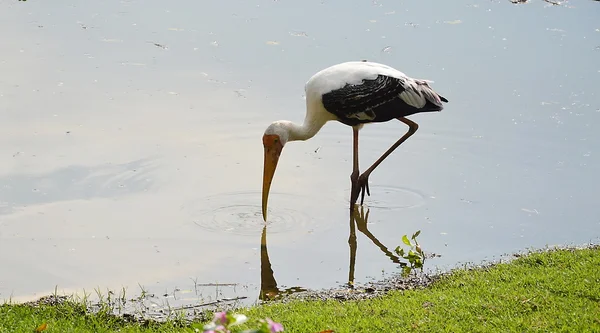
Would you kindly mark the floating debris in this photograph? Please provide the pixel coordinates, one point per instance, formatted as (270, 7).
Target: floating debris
(548, 103)
(553, 2)
(240, 93)
(298, 34)
(532, 211)
(164, 47)
(453, 22)
(386, 49)
(112, 40)
(272, 42)
(133, 64)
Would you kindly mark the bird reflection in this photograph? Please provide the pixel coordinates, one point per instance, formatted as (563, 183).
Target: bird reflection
(358, 220)
(268, 284)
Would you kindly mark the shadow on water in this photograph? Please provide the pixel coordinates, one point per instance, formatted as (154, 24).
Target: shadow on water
(74, 182)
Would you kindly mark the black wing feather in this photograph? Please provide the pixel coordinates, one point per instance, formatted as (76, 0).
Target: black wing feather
(377, 100)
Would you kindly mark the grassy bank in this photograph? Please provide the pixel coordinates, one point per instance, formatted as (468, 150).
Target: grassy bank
(555, 291)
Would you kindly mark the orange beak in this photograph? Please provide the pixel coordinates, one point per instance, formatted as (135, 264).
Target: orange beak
(273, 149)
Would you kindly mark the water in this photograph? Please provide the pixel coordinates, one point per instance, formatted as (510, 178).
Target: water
(131, 141)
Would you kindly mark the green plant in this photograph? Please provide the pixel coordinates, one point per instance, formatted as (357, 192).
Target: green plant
(415, 255)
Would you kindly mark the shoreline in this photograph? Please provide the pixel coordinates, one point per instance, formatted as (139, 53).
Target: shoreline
(147, 308)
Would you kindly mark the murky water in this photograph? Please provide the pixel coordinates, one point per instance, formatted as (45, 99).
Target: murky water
(131, 141)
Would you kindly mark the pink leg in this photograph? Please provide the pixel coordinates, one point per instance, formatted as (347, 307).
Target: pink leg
(363, 180)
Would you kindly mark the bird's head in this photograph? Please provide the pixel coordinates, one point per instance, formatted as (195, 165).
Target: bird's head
(275, 137)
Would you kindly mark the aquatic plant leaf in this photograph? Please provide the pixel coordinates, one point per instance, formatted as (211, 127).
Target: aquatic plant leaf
(400, 251)
(416, 234)
(406, 241)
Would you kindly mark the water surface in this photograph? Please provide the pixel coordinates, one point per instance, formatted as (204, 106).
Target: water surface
(131, 141)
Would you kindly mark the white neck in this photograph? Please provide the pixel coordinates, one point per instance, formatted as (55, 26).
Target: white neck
(289, 131)
(307, 130)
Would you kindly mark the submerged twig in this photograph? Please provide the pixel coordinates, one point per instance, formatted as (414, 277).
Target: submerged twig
(216, 284)
(222, 300)
(553, 2)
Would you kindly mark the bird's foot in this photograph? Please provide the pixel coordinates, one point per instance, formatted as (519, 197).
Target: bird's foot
(363, 184)
(360, 186)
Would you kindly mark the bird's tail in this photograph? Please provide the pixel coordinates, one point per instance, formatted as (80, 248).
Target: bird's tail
(431, 95)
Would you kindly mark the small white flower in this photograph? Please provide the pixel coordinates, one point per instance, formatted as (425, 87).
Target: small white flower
(239, 319)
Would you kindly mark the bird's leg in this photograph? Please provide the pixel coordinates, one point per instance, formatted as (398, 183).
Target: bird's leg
(363, 179)
(355, 173)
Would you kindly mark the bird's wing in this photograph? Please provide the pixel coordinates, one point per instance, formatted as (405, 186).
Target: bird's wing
(383, 89)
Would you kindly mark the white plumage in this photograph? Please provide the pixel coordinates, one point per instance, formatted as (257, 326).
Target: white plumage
(351, 72)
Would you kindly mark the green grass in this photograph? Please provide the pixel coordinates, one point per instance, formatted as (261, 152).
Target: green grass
(555, 291)
(72, 317)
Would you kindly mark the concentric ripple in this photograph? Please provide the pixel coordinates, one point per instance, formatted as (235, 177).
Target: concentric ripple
(240, 213)
(391, 197)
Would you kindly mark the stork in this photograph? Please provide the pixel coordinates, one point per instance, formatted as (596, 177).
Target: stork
(354, 93)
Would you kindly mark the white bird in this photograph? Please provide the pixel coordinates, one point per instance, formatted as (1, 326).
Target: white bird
(353, 93)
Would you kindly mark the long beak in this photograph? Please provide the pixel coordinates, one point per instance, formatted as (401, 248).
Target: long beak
(271, 159)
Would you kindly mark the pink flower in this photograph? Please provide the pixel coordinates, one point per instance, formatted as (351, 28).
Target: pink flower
(221, 318)
(274, 327)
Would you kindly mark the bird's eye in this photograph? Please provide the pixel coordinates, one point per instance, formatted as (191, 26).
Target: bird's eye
(276, 140)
